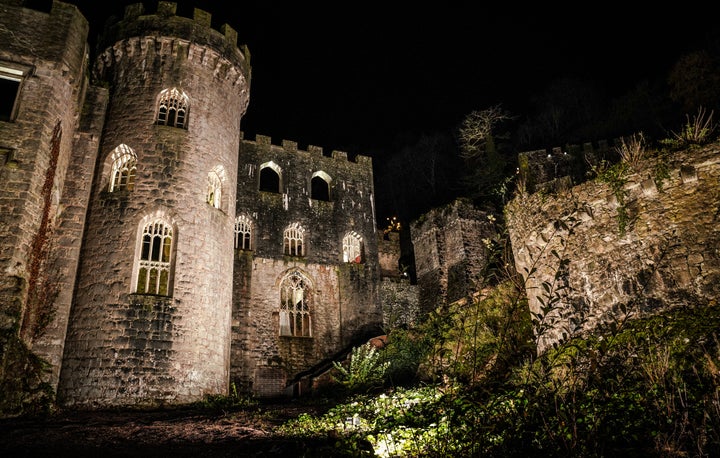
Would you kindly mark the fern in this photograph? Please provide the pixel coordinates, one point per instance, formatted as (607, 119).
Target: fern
(365, 370)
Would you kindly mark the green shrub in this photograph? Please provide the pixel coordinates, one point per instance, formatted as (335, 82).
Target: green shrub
(365, 371)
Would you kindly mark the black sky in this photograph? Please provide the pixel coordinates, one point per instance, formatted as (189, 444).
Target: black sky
(354, 75)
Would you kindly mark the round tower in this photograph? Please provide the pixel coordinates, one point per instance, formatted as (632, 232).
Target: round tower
(151, 317)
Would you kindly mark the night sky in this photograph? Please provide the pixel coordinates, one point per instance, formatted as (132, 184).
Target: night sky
(354, 76)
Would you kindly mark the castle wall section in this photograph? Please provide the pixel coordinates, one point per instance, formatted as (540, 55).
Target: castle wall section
(575, 255)
(400, 303)
(450, 255)
(344, 298)
(40, 159)
(389, 254)
(169, 344)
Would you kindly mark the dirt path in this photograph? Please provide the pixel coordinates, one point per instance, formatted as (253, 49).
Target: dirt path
(167, 433)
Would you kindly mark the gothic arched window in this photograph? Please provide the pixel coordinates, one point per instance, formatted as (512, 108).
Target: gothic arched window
(155, 259)
(320, 186)
(243, 233)
(352, 248)
(293, 240)
(294, 313)
(173, 108)
(270, 176)
(124, 167)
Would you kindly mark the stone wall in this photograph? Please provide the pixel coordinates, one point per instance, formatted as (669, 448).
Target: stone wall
(400, 303)
(450, 255)
(572, 253)
(389, 254)
(38, 156)
(345, 304)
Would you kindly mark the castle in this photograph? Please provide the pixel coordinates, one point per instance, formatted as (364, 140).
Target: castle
(150, 253)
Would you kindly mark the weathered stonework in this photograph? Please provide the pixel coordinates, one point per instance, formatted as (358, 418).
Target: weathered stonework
(450, 255)
(41, 187)
(570, 249)
(345, 302)
(400, 303)
(72, 239)
(168, 349)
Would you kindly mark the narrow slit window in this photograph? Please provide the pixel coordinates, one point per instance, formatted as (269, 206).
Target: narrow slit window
(214, 193)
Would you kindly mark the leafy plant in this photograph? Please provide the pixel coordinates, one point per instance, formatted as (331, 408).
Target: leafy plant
(365, 371)
(233, 401)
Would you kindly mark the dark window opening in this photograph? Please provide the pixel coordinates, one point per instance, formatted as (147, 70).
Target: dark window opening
(8, 95)
(269, 180)
(320, 190)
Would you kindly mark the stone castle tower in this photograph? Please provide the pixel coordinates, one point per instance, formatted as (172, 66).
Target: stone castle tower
(161, 216)
(450, 255)
(150, 254)
(306, 267)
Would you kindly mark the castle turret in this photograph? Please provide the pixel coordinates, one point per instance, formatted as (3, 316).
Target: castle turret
(151, 316)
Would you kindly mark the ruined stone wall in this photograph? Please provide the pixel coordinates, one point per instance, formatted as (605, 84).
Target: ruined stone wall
(141, 349)
(450, 255)
(37, 158)
(345, 301)
(389, 254)
(570, 248)
(559, 167)
(400, 303)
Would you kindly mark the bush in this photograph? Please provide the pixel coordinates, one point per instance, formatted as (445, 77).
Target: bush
(365, 371)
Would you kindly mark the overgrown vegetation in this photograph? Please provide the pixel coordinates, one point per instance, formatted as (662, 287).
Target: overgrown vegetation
(365, 370)
(697, 130)
(474, 385)
(642, 387)
(233, 401)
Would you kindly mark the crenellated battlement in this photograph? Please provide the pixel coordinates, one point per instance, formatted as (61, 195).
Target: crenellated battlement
(561, 166)
(265, 143)
(166, 23)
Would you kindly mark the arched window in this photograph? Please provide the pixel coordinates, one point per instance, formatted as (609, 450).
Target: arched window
(154, 260)
(293, 240)
(124, 167)
(295, 306)
(352, 248)
(270, 174)
(173, 108)
(243, 233)
(214, 192)
(320, 186)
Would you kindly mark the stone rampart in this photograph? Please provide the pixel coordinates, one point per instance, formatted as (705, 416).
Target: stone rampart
(582, 268)
(560, 167)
